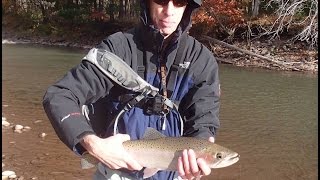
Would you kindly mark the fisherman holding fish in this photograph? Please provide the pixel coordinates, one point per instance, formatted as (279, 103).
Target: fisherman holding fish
(152, 79)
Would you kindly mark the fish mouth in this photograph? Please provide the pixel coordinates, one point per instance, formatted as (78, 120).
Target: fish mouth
(228, 161)
(234, 158)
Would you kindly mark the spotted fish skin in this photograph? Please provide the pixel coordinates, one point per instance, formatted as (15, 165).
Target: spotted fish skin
(156, 151)
(163, 153)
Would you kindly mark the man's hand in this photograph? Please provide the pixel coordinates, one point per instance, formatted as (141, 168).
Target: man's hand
(110, 151)
(190, 167)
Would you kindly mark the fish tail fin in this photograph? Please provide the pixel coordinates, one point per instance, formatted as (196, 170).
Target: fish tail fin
(148, 172)
(88, 161)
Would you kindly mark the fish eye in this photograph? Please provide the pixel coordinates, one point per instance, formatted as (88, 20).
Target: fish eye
(219, 155)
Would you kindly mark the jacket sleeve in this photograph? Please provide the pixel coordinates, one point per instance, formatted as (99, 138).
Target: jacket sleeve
(200, 106)
(63, 101)
(83, 84)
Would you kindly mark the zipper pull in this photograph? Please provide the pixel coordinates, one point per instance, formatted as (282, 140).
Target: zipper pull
(164, 125)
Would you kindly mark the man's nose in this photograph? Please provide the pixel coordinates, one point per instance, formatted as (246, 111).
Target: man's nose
(169, 8)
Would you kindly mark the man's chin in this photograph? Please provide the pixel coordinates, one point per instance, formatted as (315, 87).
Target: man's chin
(166, 32)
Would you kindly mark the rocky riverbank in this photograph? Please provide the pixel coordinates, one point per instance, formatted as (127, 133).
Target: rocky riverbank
(280, 55)
(16, 128)
(270, 55)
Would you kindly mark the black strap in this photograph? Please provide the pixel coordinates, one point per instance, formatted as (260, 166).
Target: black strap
(141, 56)
(141, 63)
(174, 69)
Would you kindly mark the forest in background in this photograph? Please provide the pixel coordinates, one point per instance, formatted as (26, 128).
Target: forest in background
(296, 20)
(279, 23)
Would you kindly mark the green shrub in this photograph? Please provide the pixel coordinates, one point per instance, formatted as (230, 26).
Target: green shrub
(44, 29)
(73, 15)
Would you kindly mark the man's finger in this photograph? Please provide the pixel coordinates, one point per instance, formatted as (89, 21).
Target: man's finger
(180, 168)
(185, 159)
(132, 164)
(193, 162)
(112, 165)
(203, 166)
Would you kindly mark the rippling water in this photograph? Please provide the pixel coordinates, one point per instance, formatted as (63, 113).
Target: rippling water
(270, 118)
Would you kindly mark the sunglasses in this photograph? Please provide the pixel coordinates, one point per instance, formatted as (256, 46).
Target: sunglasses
(177, 3)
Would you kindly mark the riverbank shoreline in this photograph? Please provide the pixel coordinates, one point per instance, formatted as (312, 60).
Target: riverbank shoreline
(43, 41)
(290, 56)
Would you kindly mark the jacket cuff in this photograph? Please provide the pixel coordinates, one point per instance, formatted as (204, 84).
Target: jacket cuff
(78, 149)
(75, 128)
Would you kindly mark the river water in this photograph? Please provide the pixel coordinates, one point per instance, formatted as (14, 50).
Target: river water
(270, 118)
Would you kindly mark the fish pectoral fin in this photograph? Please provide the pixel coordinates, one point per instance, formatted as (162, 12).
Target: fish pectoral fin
(148, 172)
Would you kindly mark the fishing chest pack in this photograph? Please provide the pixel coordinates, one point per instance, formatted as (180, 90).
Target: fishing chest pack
(144, 93)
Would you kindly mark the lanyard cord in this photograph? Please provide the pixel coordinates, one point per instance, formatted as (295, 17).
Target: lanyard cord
(163, 78)
(164, 83)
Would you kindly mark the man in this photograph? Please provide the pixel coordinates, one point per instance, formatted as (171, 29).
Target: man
(158, 41)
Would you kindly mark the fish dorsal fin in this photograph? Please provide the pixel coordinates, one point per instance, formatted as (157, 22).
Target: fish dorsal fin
(151, 133)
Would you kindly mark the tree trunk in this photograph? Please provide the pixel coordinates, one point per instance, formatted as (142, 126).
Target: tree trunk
(255, 7)
(208, 38)
(101, 5)
(127, 8)
(69, 3)
(95, 7)
(45, 18)
(111, 10)
(121, 9)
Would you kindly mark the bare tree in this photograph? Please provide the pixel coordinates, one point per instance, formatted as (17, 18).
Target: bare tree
(255, 7)
(133, 10)
(287, 12)
(111, 10)
(121, 9)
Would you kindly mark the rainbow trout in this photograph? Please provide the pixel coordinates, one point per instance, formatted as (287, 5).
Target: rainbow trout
(158, 152)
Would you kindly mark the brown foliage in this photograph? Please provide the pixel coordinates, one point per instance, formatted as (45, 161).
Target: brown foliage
(215, 13)
(98, 16)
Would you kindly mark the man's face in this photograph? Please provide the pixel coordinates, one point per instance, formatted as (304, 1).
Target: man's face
(166, 17)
